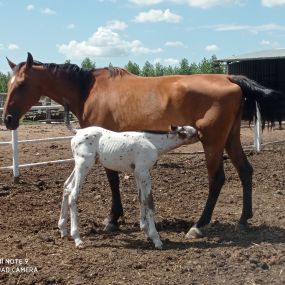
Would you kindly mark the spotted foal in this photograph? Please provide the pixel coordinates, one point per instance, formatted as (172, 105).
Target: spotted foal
(134, 152)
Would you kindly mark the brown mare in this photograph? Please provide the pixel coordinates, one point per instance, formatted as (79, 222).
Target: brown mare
(117, 100)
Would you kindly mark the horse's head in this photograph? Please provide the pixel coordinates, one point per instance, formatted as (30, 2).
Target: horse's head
(22, 92)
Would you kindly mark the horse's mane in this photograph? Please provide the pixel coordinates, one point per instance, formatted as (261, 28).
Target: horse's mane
(114, 71)
(83, 77)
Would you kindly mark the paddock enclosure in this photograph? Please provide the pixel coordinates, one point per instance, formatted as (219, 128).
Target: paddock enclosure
(29, 214)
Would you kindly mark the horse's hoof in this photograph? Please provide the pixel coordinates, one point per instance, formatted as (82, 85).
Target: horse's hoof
(109, 228)
(241, 227)
(194, 233)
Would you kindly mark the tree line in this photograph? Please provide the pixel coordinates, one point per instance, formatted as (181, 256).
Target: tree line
(210, 65)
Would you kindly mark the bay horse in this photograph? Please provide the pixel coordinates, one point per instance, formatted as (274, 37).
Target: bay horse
(134, 152)
(117, 100)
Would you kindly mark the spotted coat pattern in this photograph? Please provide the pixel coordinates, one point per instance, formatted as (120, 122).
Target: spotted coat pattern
(134, 152)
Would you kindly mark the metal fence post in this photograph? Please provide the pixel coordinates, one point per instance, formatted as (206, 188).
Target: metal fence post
(16, 172)
(257, 130)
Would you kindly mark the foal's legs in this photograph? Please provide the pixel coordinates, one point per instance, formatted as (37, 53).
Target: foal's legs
(147, 223)
(70, 196)
(111, 222)
(62, 223)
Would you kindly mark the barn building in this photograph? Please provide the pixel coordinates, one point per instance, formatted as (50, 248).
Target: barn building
(266, 67)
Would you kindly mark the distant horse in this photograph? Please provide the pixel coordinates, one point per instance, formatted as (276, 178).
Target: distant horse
(117, 100)
(134, 152)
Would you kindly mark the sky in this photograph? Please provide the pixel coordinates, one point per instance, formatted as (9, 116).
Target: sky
(116, 31)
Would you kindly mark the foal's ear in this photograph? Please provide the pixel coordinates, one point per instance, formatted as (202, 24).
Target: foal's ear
(30, 61)
(182, 134)
(11, 64)
(173, 128)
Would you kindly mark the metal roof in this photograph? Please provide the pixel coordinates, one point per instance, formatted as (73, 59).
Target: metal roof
(259, 55)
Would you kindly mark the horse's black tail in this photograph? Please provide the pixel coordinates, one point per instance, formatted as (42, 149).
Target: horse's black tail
(271, 102)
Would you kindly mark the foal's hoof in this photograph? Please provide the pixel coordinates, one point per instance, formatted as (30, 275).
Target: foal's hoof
(194, 233)
(79, 244)
(158, 244)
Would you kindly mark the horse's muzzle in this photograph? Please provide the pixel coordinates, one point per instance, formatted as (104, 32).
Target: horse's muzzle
(11, 122)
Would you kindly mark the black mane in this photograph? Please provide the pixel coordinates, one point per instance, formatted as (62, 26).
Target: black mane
(80, 76)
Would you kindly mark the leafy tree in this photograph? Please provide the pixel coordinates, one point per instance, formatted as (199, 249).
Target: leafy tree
(184, 67)
(194, 68)
(168, 70)
(159, 70)
(217, 67)
(68, 61)
(148, 69)
(87, 63)
(4, 78)
(133, 68)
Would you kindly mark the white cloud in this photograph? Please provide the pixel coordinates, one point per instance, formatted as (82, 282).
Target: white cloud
(158, 16)
(204, 4)
(166, 61)
(146, 2)
(171, 61)
(116, 25)
(48, 11)
(70, 26)
(104, 43)
(12, 47)
(212, 48)
(272, 3)
(30, 7)
(249, 28)
(269, 43)
(174, 44)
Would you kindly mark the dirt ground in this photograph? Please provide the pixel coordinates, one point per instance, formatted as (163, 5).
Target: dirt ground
(31, 251)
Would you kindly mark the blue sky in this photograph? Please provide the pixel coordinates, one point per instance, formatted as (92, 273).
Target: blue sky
(117, 31)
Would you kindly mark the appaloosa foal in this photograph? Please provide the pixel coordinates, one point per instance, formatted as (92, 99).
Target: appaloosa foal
(126, 151)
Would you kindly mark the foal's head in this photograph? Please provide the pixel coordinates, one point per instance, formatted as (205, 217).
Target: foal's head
(187, 133)
(22, 92)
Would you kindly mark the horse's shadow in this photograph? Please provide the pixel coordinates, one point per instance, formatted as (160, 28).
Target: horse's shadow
(215, 235)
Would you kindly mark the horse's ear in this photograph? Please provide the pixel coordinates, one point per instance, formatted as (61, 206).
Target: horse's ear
(11, 64)
(30, 61)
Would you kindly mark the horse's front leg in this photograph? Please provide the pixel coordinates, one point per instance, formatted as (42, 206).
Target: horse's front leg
(111, 222)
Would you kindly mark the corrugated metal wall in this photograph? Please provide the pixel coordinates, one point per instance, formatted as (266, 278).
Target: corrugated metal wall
(268, 72)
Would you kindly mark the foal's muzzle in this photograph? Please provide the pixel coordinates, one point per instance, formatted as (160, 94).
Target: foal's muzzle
(11, 122)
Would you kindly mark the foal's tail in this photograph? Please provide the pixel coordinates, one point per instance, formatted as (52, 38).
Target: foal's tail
(271, 102)
(66, 119)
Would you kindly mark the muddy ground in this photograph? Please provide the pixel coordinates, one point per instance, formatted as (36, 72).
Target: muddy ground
(29, 211)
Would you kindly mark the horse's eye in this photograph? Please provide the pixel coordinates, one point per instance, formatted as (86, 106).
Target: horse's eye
(22, 85)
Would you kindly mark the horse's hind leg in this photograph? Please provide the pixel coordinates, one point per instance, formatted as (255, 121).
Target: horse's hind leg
(216, 176)
(244, 169)
(111, 222)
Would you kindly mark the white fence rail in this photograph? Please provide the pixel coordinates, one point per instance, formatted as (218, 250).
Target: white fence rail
(15, 143)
